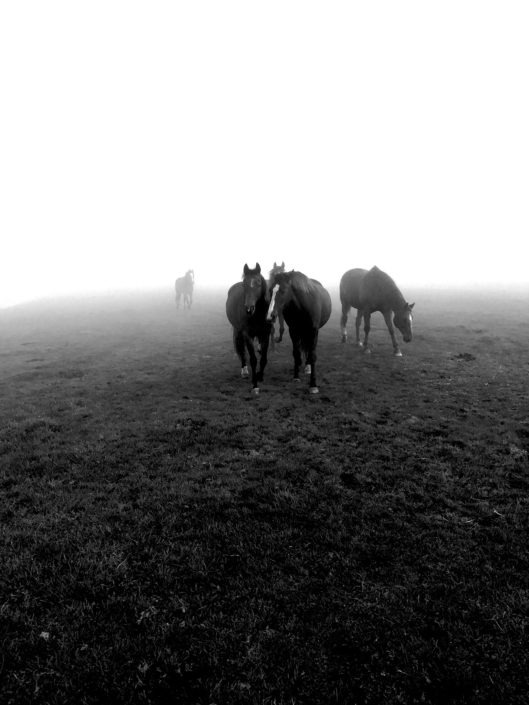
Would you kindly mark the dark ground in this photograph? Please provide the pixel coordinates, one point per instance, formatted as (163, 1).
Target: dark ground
(169, 538)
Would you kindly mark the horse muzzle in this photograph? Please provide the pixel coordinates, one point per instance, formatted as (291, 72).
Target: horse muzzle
(250, 310)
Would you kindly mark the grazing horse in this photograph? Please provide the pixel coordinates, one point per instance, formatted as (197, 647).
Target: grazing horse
(370, 291)
(306, 306)
(184, 287)
(246, 309)
(276, 269)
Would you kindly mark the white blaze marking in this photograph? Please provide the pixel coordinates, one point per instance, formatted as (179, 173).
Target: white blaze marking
(270, 313)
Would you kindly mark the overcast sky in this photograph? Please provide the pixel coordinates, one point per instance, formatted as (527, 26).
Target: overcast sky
(140, 139)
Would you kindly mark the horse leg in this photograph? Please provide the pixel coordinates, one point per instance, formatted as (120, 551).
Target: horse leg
(343, 321)
(296, 352)
(281, 327)
(238, 339)
(264, 342)
(358, 323)
(367, 328)
(312, 342)
(253, 364)
(391, 329)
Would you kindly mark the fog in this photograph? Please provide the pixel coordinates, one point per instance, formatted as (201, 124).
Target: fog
(139, 141)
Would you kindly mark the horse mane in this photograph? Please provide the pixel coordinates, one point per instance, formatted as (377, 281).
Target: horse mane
(300, 281)
(390, 283)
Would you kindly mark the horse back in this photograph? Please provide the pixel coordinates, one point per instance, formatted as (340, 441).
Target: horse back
(350, 287)
(376, 291)
(312, 310)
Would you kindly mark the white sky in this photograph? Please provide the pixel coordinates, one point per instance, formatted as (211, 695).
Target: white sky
(139, 139)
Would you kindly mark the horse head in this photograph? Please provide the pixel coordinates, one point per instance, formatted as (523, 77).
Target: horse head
(254, 287)
(403, 320)
(279, 288)
(276, 269)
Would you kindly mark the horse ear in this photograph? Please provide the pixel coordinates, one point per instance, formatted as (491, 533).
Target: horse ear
(246, 269)
(283, 264)
(411, 305)
(258, 267)
(275, 265)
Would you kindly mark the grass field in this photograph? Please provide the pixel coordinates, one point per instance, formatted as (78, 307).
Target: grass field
(167, 537)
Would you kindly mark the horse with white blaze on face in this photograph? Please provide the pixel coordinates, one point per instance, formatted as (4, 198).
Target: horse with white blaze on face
(370, 291)
(246, 309)
(306, 307)
(276, 269)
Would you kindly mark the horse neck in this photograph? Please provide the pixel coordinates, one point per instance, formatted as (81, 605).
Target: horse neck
(300, 293)
(398, 301)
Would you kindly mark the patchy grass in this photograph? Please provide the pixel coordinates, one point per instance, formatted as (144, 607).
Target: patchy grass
(167, 537)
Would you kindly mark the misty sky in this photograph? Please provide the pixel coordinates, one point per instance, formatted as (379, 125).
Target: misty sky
(141, 139)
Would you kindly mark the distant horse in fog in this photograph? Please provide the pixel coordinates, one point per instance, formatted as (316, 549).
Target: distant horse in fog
(306, 307)
(246, 309)
(276, 269)
(370, 291)
(184, 288)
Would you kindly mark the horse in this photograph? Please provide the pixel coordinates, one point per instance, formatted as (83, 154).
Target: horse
(370, 291)
(306, 307)
(184, 288)
(276, 269)
(246, 308)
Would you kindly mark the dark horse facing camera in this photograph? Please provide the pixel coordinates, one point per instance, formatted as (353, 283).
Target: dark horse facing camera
(246, 309)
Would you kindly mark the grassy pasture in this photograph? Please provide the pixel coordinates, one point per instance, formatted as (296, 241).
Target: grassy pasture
(169, 538)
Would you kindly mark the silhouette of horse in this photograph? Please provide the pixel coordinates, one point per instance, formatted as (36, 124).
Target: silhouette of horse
(276, 269)
(246, 309)
(306, 307)
(370, 291)
(184, 288)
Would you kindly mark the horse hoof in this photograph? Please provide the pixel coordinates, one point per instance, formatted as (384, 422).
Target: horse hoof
(244, 372)
(255, 390)
(308, 369)
(344, 339)
(398, 354)
(296, 379)
(313, 390)
(367, 351)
